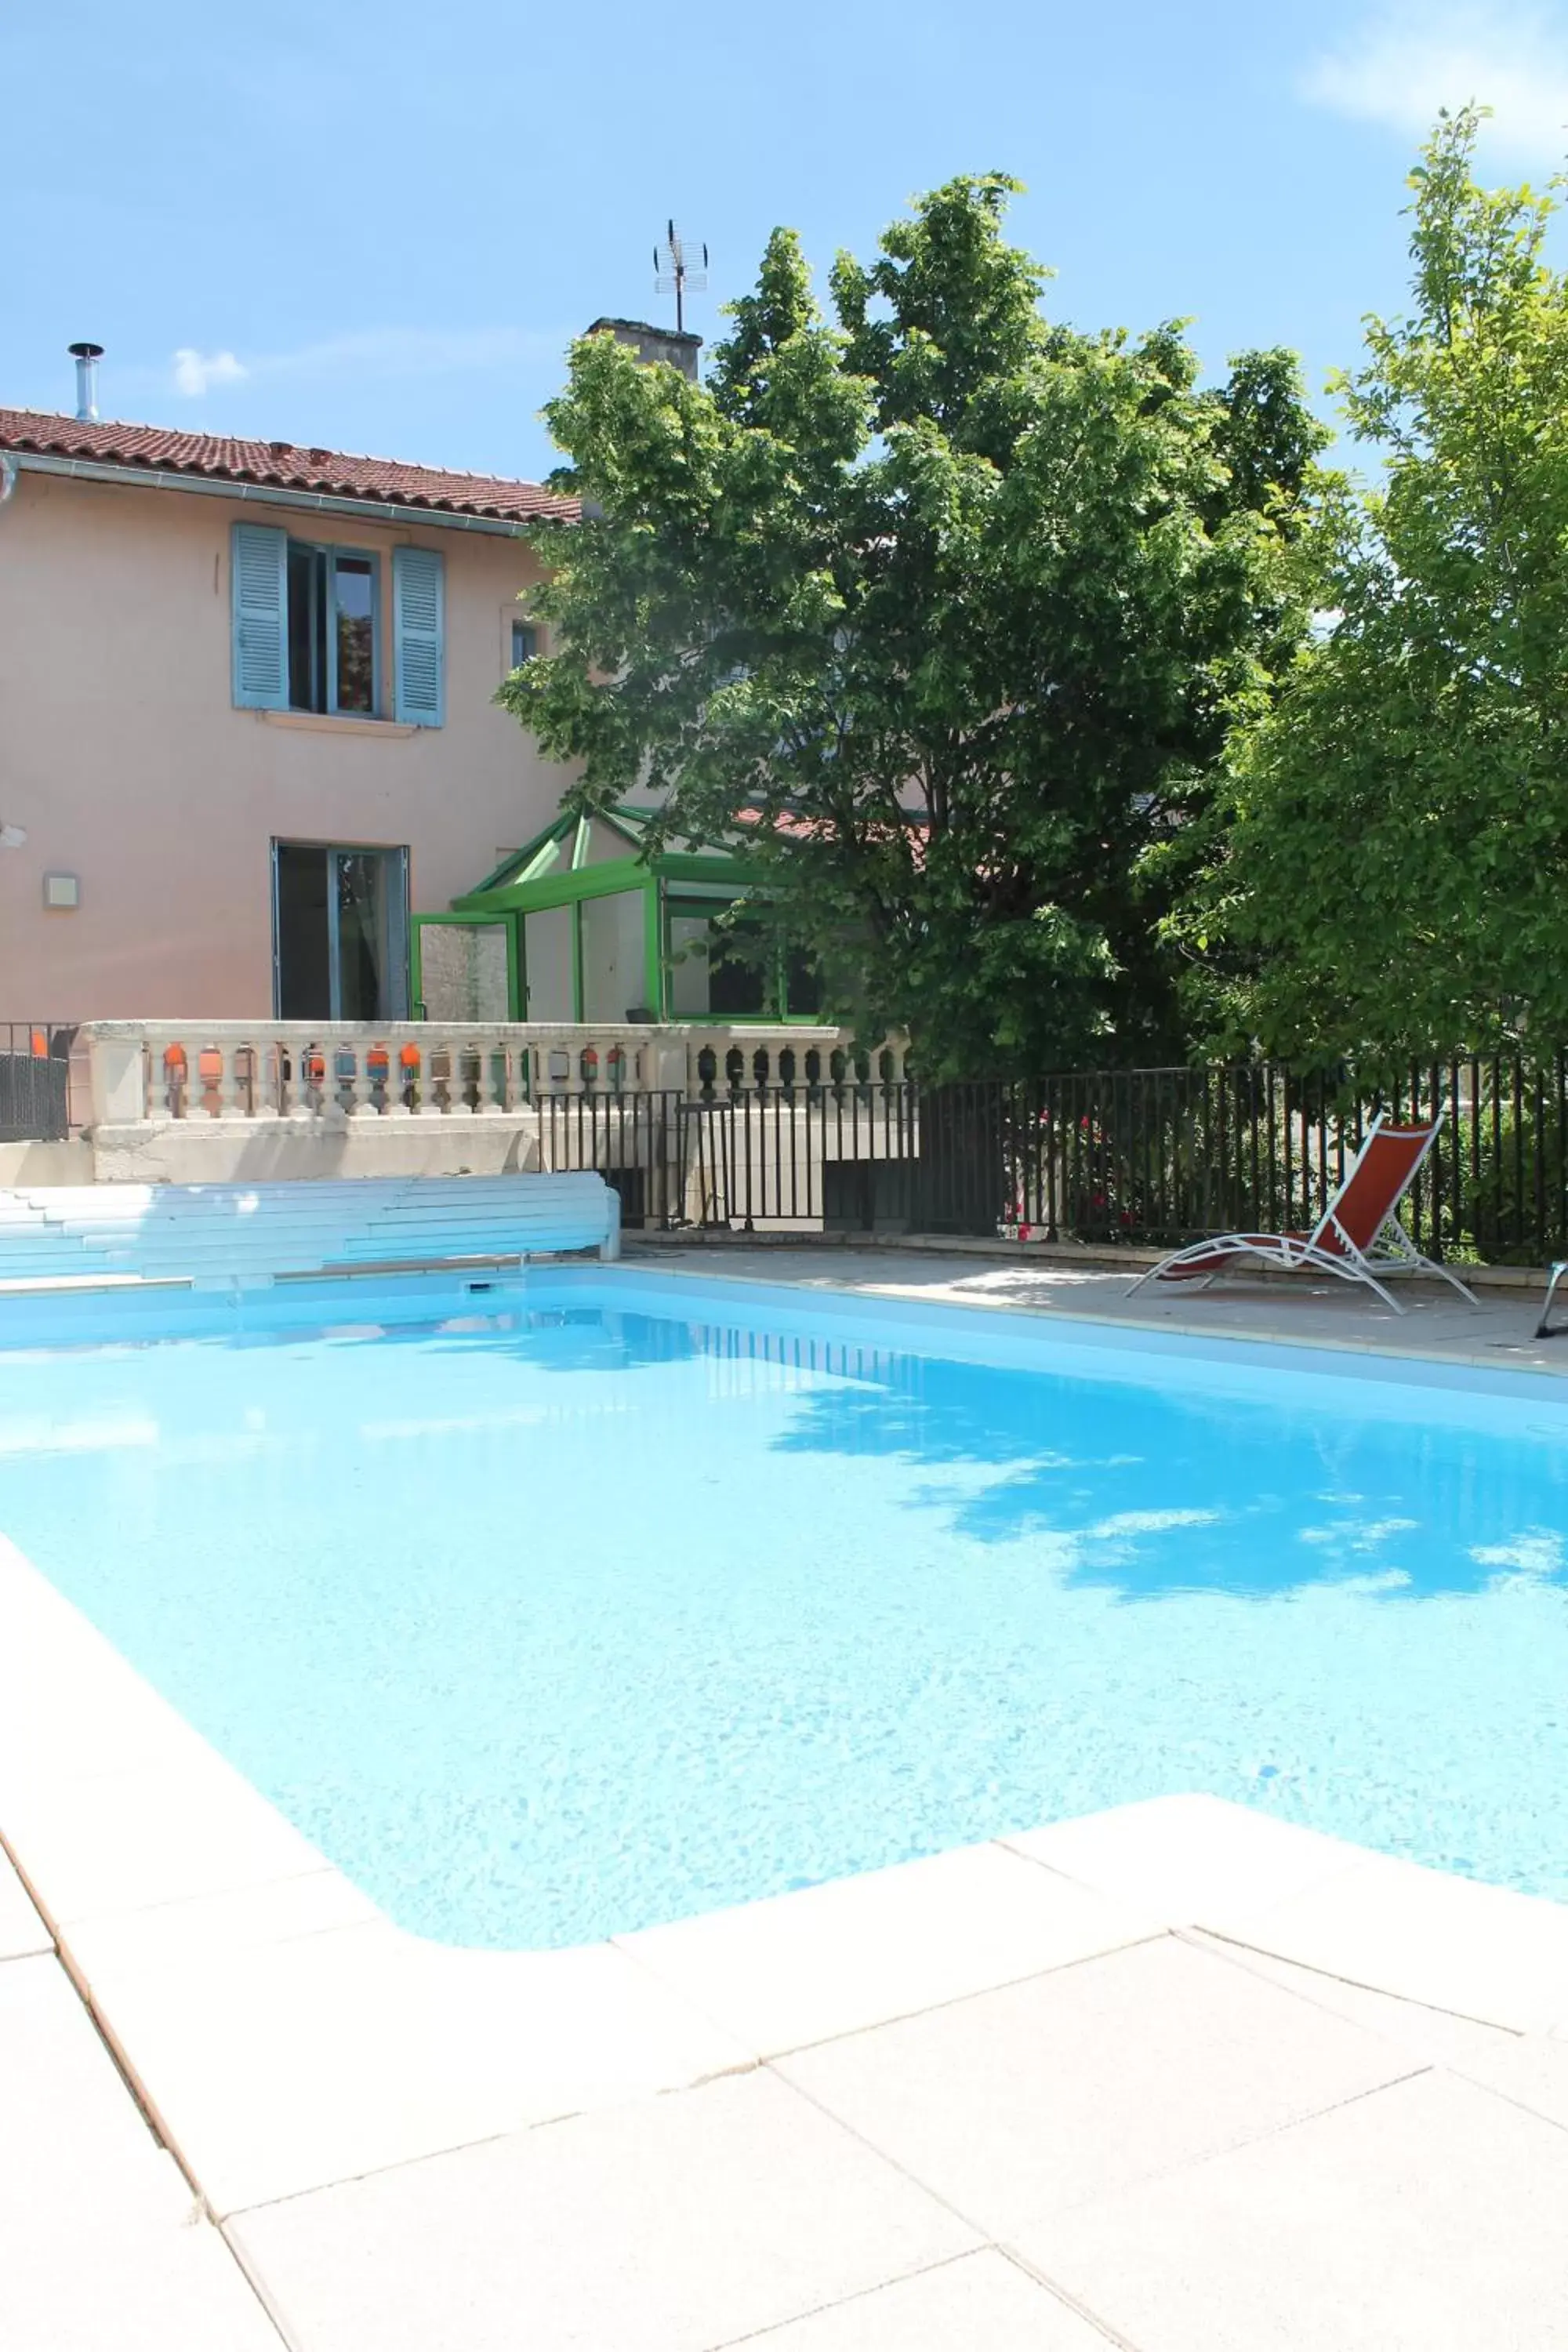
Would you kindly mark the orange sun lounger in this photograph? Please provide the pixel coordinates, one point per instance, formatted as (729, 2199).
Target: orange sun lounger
(1358, 1238)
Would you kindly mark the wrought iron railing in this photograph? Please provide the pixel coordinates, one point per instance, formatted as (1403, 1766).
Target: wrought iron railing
(1133, 1157)
(1158, 1155)
(34, 1081)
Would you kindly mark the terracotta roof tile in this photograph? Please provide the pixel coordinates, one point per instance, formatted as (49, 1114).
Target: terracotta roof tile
(280, 464)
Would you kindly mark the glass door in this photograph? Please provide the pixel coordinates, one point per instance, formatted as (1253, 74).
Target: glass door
(340, 932)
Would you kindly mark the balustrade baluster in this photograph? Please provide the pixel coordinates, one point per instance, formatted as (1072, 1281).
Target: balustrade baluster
(495, 1066)
(361, 1080)
(490, 1092)
(296, 1085)
(195, 1077)
(396, 1104)
(423, 1082)
(230, 1088)
(266, 1079)
(457, 1052)
(337, 1062)
(166, 1096)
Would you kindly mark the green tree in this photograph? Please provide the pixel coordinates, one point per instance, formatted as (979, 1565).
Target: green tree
(955, 605)
(1393, 875)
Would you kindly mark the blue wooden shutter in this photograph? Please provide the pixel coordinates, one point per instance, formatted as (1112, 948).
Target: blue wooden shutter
(418, 627)
(259, 565)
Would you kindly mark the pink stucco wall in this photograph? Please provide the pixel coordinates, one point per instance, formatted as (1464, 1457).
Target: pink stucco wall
(122, 758)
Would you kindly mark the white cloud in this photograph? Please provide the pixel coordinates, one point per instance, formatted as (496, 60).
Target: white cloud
(1406, 62)
(196, 372)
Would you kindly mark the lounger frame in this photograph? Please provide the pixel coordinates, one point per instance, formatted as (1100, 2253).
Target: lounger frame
(1328, 1249)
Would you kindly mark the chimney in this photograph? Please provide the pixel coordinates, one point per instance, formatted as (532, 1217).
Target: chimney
(87, 356)
(672, 345)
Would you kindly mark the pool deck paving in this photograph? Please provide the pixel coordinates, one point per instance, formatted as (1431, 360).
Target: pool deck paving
(1294, 1311)
(1178, 2077)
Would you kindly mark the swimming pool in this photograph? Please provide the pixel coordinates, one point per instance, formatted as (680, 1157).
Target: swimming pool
(612, 1598)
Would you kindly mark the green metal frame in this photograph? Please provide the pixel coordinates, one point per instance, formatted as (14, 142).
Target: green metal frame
(607, 881)
(652, 945)
(532, 879)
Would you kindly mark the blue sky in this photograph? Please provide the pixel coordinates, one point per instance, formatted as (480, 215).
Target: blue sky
(376, 228)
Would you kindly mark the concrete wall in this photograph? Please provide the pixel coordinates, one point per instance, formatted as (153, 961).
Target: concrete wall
(48, 1163)
(123, 759)
(235, 1151)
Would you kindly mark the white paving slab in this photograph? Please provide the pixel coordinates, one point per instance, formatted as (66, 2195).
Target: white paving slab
(1531, 2069)
(673, 2225)
(1428, 2218)
(125, 1842)
(278, 2068)
(1480, 1951)
(70, 2136)
(174, 1935)
(1052, 2092)
(1189, 1861)
(1432, 2036)
(21, 1929)
(982, 2303)
(101, 2249)
(857, 1951)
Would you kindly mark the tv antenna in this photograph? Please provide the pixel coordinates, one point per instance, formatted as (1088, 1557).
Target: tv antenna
(675, 265)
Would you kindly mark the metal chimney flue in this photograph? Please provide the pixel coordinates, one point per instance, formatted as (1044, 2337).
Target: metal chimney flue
(87, 356)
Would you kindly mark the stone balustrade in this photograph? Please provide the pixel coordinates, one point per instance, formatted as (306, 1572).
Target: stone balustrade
(330, 1073)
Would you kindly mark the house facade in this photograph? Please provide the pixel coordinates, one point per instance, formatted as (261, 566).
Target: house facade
(247, 720)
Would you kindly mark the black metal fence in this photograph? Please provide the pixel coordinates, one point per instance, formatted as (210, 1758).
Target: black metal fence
(34, 1081)
(1164, 1156)
(1127, 1156)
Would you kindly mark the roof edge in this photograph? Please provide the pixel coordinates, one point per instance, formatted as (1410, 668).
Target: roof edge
(235, 487)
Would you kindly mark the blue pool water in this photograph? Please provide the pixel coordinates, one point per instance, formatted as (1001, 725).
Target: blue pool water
(640, 1597)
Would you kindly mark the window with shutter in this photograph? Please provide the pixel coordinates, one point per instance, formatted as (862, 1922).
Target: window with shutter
(418, 599)
(258, 562)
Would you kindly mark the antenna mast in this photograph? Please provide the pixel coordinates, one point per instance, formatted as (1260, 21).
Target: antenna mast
(675, 269)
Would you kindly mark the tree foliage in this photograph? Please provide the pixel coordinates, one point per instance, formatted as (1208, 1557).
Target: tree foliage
(1393, 881)
(957, 606)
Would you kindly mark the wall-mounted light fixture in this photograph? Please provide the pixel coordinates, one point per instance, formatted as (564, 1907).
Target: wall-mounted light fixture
(62, 892)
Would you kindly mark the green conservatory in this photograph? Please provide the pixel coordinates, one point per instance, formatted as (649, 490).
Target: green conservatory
(580, 925)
